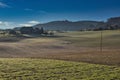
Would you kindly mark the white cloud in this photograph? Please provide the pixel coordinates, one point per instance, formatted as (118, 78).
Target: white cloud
(26, 25)
(6, 24)
(2, 23)
(3, 5)
(29, 23)
(34, 22)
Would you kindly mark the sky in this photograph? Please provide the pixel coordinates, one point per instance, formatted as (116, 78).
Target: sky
(16, 13)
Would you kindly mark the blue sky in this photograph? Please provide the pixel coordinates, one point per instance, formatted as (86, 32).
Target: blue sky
(30, 12)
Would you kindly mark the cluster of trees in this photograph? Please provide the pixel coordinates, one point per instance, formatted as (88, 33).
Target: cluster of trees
(108, 27)
(111, 24)
(30, 30)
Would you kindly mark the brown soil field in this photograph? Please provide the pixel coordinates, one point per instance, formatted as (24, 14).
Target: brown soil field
(58, 48)
(53, 49)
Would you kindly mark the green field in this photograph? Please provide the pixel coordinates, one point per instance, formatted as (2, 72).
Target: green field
(44, 69)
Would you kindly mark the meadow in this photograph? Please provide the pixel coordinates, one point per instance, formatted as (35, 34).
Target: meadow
(44, 69)
(65, 56)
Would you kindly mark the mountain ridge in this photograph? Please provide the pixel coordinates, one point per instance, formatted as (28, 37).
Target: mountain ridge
(65, 25)
(70, 26)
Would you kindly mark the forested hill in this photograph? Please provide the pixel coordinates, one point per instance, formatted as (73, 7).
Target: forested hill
(70, 26)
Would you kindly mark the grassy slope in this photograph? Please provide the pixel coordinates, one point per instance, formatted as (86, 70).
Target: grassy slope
(92, 38)
(44, 69)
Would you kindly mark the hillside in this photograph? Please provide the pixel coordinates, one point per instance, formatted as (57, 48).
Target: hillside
(114, 21)
(70, 26)
(44, 69)
(111, 24)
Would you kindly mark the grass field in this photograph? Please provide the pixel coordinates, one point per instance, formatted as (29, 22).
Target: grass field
(92, 38)
(72, 46)
(44, 69)
(40, 58)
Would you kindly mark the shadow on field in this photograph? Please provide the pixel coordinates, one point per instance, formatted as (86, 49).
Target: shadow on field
(11, 39)
(19, 38)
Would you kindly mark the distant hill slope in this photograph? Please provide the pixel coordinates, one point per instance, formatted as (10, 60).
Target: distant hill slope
(114, 21)
(110, 24)
(70, 26)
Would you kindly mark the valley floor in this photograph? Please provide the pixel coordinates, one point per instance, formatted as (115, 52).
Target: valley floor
(40, 58)
(72, 46)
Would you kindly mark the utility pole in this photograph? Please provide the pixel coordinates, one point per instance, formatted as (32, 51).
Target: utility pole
(101, 42)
